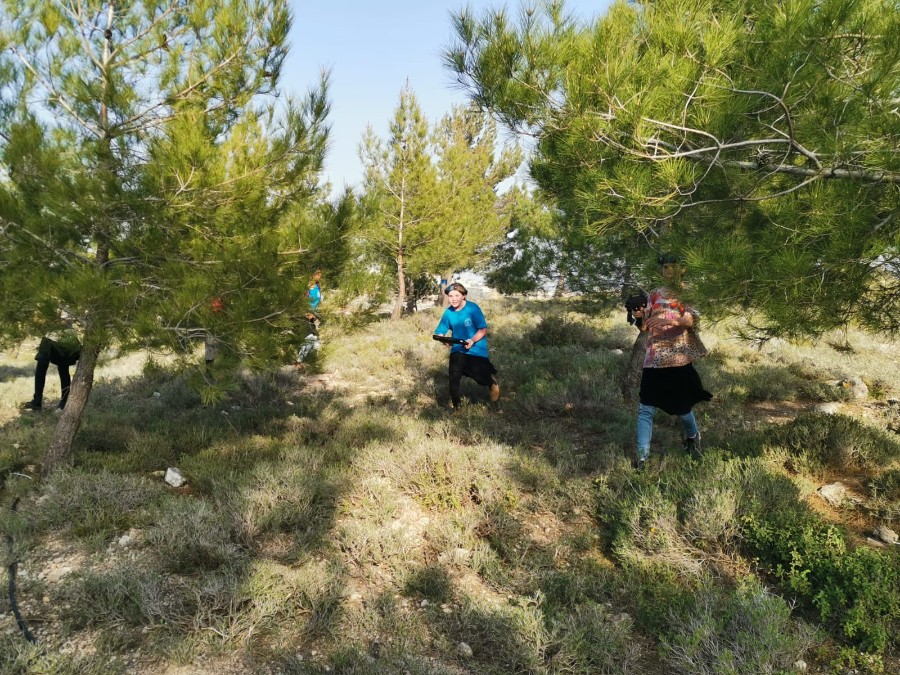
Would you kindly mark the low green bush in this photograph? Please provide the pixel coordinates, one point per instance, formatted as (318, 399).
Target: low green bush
(591, 641)
(560, 330)
(886, 486)
(747, 630)
(856, 590)
(191, 535)
(95, 505)
(818, 441)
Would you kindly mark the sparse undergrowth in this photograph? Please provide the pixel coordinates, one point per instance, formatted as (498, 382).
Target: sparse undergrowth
(347, 521)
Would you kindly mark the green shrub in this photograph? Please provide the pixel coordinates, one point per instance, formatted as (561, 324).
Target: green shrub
(124, 596)
(745, 631)
(886, 486)
(505, 639)
(431, 582)
(590, 641)
(835, 442)
(192, 535)
(95, 505)
(764, 382)
(560, 330)
(856, 590)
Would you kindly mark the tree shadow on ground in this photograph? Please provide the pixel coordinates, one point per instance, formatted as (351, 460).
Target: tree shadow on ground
(572, 426)
(15, 372)
(266, 469)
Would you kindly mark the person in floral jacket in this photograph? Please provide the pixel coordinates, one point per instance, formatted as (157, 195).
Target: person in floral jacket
(669, 380)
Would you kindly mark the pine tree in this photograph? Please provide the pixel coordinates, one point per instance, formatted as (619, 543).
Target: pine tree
(400, 205)
(473, 218)
(431, 203)
(146, 169)
(757, 137)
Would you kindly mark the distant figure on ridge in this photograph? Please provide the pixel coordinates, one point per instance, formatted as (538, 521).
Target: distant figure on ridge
(466, 321)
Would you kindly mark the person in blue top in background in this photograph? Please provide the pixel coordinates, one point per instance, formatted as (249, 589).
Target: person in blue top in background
(314, 293)
(466, 320)
(311, 341)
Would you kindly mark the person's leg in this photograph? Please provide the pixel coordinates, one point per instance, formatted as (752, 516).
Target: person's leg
(494, 389)
(644, 430)
(689, 424)
(65, 383)
(40, 378)
(691, 433)
(457, 366)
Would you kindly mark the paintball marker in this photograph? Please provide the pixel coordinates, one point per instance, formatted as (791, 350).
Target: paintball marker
(448, 340)
(635, 302)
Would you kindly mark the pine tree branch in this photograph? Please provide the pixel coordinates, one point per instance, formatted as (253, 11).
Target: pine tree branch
(55, 95)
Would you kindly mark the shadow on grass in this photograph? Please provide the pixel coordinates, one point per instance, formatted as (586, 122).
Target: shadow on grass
(8, 373)
(273, 463)
(266, 470)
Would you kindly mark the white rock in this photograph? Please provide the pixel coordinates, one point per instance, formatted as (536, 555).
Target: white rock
(886, 534)
(424, 603)
(833, 493)
(156, 394)
(800, 665)
(831, 408)
(464, 650)
(174, 477)
(858, 388)
(617, 352)
(58, 573)
(125, 540)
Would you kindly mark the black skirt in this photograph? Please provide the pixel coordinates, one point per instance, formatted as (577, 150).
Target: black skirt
(673, 390)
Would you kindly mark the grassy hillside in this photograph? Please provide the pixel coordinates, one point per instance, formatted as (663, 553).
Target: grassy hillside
(344, 520)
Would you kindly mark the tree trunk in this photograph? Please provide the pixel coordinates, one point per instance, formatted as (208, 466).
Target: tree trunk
(631, 378)
(561, 286)
(73, 413)
(445, 299)
(401, 289)
(411, 296)
(626, 281)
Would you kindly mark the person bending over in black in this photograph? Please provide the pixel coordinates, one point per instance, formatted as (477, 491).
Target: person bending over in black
(63, 350)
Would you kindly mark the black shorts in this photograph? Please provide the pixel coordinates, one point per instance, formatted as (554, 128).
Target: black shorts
(478, 368)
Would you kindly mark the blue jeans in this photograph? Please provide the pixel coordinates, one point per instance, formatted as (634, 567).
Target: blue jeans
(645, 428)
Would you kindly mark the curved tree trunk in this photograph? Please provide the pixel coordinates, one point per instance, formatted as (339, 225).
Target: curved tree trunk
(631, 378)
(73, 414)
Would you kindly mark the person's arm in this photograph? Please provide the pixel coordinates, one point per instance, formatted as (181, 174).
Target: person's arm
(479, 335)
(443, 328)
(480, 325)
(685, 320)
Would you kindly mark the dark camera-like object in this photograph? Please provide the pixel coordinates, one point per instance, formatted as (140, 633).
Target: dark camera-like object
(632, 303)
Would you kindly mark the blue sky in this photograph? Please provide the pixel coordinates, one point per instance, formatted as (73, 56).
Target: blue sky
(372, 47)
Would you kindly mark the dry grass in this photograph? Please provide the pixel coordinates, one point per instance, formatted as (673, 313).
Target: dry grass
(345, 519)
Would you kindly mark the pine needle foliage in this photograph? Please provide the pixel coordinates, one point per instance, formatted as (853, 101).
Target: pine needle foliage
(146, 164)
(758, 138)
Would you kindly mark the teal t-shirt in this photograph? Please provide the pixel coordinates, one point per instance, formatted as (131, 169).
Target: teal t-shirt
(464, 323)
(315, 296)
